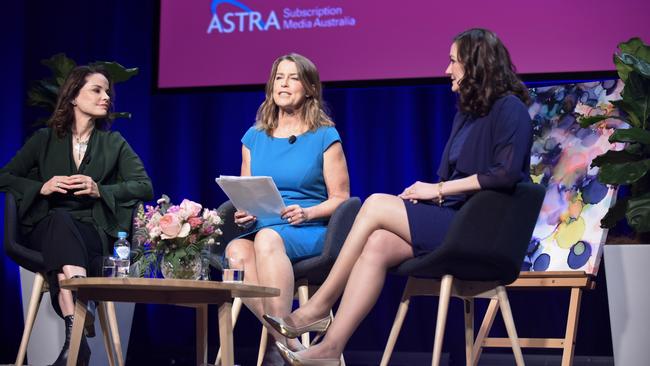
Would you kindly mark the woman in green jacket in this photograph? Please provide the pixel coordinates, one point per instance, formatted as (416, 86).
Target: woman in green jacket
(76, 184)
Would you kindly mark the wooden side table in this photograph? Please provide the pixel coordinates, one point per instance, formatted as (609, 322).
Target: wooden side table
(197, 294)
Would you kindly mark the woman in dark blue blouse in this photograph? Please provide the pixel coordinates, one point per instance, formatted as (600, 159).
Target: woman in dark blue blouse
(489, 148)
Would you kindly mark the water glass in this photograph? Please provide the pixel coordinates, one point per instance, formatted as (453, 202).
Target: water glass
(108, 267)
(233, 270)
(122, 267)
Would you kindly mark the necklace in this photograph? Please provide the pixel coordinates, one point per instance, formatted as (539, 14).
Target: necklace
(80, 146)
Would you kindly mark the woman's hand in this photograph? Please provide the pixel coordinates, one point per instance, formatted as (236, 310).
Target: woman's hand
(58, 183)
(420, 191)
(295, 214)
(84, 185)
(243, 219)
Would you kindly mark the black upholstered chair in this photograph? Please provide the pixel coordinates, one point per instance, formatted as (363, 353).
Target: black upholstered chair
(32, 261)
(482, 252)
(308, 273)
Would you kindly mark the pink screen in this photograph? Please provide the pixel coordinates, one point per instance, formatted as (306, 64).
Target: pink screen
(234, 42)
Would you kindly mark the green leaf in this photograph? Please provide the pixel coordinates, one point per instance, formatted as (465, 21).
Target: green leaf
(60, 65)
(639, 66)
(636, 95)
(638, 213)
(116, 115)
(586, 121)
(628, 109)
(614, 157)
(117, 72)
(632, 134)
(622, 68)
(624, 173)
(615, 214)
(636, 47)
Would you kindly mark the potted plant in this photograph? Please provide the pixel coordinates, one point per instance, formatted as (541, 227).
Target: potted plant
(627, 264)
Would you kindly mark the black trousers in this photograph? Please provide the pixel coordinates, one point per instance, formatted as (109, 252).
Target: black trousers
(64, 240)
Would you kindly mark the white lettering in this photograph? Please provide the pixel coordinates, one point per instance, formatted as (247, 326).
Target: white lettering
(214, 24)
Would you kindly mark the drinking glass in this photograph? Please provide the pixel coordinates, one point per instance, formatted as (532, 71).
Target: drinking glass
(233, 270)
(108, 267)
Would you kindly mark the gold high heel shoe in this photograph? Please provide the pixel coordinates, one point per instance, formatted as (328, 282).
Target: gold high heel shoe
(294, 359)
(319, 326)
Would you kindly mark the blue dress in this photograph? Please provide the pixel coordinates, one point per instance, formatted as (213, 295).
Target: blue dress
(297, 170)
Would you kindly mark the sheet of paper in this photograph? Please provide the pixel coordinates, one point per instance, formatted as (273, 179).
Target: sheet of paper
(257, 195)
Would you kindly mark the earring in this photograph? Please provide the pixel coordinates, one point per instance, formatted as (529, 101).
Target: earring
(74, 103)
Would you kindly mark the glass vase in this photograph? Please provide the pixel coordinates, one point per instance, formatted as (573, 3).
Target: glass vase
(184, 268)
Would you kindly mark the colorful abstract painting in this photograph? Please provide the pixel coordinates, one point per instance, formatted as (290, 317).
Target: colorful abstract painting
(568, 235)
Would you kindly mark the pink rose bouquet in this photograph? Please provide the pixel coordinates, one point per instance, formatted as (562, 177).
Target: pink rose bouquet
(174, 233)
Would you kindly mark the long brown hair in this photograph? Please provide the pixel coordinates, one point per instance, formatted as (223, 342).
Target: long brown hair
(489, 72)
(313, 111)
(63, 115)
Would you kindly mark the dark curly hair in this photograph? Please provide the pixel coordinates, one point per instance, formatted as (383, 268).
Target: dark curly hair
(489, 72)
(63, 115)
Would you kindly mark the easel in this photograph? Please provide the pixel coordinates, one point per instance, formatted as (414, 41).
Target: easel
(575, 281)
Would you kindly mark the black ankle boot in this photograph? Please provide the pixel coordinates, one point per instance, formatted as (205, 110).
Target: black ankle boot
(83, 359)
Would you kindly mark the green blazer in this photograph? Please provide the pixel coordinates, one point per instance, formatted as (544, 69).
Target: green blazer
(109, 161)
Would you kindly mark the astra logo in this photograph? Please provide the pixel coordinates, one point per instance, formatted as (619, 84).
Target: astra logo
(245, 20)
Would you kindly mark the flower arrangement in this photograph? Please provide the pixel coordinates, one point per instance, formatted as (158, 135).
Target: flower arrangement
(174, 235)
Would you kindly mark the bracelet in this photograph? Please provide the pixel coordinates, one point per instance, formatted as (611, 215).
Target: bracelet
(440, 198)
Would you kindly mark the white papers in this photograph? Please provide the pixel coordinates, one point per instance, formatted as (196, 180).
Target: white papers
(257, 195)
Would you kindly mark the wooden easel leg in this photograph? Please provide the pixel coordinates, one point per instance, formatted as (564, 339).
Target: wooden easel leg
(571, 327)
(397, 324)
(469, 329)
(504, 304)
(201, 334)
(443, 307)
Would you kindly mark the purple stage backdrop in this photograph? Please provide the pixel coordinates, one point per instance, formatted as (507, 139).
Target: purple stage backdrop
(231, 42)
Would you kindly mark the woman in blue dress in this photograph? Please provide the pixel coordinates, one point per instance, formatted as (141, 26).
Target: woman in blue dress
(293, 141)
(489, 148)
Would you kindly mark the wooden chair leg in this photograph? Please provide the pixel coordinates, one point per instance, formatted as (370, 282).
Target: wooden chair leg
(397, 325)
(483, 332)
(443, 307)
(236, 308)
(264, 339)
(106, 333)
(571, 327)
(115, 332)
(506, 312)
(303, 296)
(469, 330)
(32, 309)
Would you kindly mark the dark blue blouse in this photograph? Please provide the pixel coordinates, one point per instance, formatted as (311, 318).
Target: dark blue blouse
(496, 147)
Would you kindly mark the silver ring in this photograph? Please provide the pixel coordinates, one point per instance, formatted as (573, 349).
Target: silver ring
(57, 184)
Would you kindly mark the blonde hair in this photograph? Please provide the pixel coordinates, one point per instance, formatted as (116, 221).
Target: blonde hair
(313, 111)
